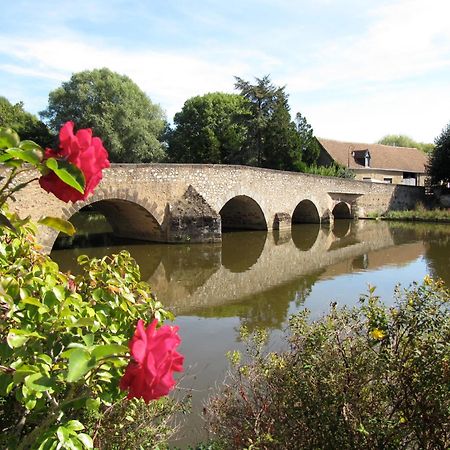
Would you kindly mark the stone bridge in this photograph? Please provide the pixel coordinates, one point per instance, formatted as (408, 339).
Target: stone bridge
(194, 203)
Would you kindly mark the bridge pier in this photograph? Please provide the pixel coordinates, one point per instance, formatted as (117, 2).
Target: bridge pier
(191, 219)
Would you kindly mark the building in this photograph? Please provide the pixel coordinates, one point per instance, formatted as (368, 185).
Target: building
(376, 162)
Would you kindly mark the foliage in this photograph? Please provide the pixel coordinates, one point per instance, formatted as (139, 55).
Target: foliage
(272, 138)
(401, 140)
(333, 170)
(439, 160)
(135, 424)
(207, 130)
(366, 377)
(129, 124)
(61, 336)
(25, 123)
(420, 214)
(310, 148)
(62, 339)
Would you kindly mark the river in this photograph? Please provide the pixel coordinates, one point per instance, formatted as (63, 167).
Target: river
(259, 279)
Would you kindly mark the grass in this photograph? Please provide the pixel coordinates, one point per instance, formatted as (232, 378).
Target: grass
(419, 214)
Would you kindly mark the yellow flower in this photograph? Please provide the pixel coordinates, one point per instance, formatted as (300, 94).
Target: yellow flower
(427, 280)
(378, 334)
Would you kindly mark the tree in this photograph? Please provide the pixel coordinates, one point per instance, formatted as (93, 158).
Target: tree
(401, 140)
(272, 140)
(439, 160)
(310, 148)
(117, 110)
(27, 125)
(207, 130)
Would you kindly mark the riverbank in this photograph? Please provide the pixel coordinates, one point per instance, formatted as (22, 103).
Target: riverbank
(418, 215)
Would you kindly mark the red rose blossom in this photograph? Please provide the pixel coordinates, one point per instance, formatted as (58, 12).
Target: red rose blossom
(149, 374)
(85, 152)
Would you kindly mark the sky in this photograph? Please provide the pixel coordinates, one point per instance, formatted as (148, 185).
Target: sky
(356, 69)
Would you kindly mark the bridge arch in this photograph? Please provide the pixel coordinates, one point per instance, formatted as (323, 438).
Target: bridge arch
(242, 213)
(306, 212)
(127, 215)
(342, 210)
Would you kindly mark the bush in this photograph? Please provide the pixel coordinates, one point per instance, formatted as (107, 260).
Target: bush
(367, 377)
(62, 348)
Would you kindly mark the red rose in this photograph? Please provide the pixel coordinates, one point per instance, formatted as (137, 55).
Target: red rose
(150, 374)
(85, 152)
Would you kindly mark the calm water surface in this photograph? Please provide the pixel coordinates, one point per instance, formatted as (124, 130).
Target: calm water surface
(259, 279)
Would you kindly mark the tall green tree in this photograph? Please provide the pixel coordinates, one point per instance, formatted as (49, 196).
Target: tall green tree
(207, 130)
(439, 160)
(401, 140)
(27, 125)
(310, 148)
(272, 140)
(117, 110)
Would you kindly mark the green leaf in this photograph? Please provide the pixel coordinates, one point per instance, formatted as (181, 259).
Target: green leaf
(58, 224)
(86, 440)
(38, 382)
(34, 302)
(80, 363)
(15, 340)
(68, 173)
(88, 339)
(29, 156)
(63, 435)
(4, 221)
(93, 404)
(30, 145)
(74, 425)
(83, 322)
(5, 157)
(8, 138)
(103, 351)
(22, 372)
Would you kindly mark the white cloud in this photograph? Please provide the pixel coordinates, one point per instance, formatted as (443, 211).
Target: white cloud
(168, 78)
(406, 38)
(371, 72)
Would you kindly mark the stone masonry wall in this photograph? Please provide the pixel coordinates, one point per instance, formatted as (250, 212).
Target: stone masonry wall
(158, 190)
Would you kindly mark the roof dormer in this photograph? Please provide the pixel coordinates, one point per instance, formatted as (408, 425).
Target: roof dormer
(362, 157)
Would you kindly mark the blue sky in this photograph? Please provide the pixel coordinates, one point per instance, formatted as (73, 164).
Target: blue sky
(357, 69)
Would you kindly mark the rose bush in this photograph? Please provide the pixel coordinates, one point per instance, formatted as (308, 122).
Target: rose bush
(62, 336)
(150, 374)
(83, 151)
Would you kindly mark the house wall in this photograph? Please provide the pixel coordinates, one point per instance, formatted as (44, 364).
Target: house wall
(380, 175)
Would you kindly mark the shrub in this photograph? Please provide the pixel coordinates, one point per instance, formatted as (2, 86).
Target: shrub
(62, 337)
(367, 377)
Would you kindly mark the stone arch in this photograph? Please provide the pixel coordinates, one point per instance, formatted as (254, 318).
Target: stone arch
(342, 210)
(240, 251)
(128, 216)
(129, 219)
(306, 212)
(242, 213)
(305, 236)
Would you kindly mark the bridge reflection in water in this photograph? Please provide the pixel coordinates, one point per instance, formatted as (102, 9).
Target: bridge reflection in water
(258, 268)
(258, 279)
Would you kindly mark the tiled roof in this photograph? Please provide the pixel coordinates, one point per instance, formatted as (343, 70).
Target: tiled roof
(384, 157)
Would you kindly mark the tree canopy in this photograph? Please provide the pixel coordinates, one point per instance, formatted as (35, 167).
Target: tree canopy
(439, 160)
(27, 125)
(272, 138)
(310, 148)
(208, 131)
(401, 140)
(117, 110)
